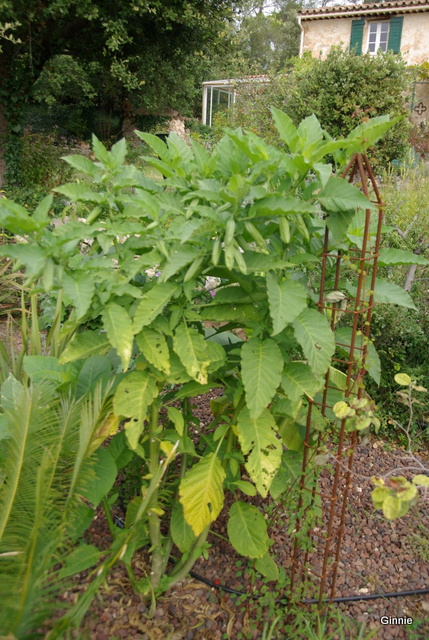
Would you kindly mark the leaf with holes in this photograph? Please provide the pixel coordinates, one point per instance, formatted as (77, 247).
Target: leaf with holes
(135, 393)
(152, 304)
(191, 348)
(155, 349)
(259, 442)
(247, 530)
(261, 366)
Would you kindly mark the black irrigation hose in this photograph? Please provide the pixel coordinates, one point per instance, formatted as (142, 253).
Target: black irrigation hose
(371, 596)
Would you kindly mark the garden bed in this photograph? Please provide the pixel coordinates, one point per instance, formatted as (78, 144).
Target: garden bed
(377, 556)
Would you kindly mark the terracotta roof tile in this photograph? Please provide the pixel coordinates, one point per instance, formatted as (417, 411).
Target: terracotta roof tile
(390, 5)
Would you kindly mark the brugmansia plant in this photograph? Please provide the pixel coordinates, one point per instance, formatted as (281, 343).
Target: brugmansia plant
(253, 217)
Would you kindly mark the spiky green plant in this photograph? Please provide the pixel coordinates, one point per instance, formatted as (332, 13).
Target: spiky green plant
(46, 442)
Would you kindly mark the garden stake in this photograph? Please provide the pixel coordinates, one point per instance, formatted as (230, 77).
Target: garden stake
(328, 543)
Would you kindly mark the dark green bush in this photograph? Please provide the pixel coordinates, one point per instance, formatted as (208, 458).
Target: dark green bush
(341, 90)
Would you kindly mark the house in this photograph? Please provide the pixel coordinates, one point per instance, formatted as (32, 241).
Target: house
(401, 26)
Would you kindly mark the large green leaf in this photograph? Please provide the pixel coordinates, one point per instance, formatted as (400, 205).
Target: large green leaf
(277, 205)
(82, 164)
(190, 346)
(261, 446)
(286, 128)
(316, 339)
(15, 218)
(398, 256)
(152, 304)
(40, 368)
(80, 290)
(201, 493)
(338, 223)
(155, 349)
(288, 473)
(105, 475)
(365, 135)
(181, 532)
(119, 329)
(85, 345)
(83, 557)
(247, 530)
(79, 192)
(267, 567)
(261, 367)
(178, 260)
(229, 313)
(390, 293)
(298, 379)
(287, 300)
(95, 368)
(12, 394)
(132, 398)
(34, 258)
(340, 195)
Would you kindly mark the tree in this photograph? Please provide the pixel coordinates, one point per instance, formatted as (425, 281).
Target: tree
(140, 46)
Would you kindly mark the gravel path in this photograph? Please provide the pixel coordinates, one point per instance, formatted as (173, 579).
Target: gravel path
(377, 556)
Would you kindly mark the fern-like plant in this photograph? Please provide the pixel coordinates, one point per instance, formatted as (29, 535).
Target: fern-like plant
(47, 439)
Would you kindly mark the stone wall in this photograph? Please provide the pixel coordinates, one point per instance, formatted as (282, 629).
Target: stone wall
(321, 35)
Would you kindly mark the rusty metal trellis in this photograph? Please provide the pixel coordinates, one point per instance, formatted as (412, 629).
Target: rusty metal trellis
(314, 572)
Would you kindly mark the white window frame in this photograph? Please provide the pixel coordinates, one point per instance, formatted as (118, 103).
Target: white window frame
(378, 24)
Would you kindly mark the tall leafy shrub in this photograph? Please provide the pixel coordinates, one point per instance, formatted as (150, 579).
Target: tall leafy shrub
(341, 90)
(253, 216)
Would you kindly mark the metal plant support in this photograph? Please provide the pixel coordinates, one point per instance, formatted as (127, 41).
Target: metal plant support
(314, 572)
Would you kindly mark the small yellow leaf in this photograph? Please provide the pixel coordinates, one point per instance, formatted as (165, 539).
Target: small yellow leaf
(403, 379)
(167, 447)
(421, 480)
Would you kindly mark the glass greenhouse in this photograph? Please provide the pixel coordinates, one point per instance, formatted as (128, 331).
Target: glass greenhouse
(221, 94)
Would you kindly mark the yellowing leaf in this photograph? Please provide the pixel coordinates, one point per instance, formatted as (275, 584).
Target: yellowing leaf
(118, 326)
(201, 493)
(154, 347)
(135, 393)
(403, 379)
(421, 480)
(190, 346)
(259, 442)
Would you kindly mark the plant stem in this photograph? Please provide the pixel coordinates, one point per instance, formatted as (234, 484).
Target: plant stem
(153, 518)
(182, 568)
(109, 518)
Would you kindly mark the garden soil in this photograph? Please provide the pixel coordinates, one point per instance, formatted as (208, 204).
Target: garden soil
(377, 556)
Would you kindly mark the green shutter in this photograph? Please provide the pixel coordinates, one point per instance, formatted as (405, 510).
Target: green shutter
(395, 33)
(356, 36)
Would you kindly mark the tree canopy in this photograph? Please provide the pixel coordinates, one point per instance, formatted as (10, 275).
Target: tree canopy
(150, 48)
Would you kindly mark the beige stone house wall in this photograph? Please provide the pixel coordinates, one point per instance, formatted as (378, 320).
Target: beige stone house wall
(321, 35)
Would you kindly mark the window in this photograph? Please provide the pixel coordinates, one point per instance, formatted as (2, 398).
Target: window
(382, 34)
(378, 36)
